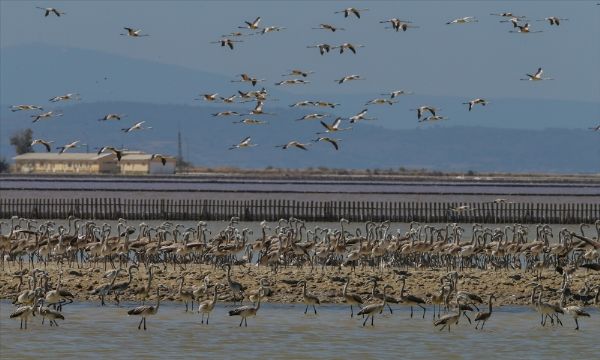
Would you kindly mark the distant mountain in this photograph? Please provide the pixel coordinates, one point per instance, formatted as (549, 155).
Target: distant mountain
(97, 76)
(439, 146)
(34, 73)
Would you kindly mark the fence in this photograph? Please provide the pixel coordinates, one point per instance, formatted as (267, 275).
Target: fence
(257, 210)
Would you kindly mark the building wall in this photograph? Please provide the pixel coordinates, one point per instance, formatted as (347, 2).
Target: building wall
(147, 167)
(134, 167)
(141, 165)
(74, 166)
(109, 167)
(156, 167)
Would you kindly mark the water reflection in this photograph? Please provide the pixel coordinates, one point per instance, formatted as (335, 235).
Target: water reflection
(282, 331)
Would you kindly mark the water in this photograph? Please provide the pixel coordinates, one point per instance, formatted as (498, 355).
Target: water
(282, 332)
(482, 186)
(205, 188)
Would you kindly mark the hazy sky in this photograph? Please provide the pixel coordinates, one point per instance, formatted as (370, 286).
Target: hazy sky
(472, 60)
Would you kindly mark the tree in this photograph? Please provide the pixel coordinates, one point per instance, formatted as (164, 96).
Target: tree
(4, 167)
(21, 140)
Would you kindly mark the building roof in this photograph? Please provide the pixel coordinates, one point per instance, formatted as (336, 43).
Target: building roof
(136, 157)
(65, 156)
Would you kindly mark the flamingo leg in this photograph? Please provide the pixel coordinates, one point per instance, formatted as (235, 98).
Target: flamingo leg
(424, 310)
(467, 316)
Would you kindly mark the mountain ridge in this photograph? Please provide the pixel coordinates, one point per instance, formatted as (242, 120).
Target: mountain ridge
(206, 140)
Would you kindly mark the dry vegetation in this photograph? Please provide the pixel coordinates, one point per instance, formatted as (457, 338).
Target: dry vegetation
(386, 174)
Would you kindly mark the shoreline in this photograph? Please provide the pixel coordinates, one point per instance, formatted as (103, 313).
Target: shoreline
(341, 175)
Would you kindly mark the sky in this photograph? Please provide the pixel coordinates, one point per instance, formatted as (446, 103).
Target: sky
(444, 65)
(481, 59)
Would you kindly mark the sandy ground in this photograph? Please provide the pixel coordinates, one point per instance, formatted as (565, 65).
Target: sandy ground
(510, 287)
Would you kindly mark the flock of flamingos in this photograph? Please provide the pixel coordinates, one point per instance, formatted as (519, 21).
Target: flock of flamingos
(32, 246)
(296, 77)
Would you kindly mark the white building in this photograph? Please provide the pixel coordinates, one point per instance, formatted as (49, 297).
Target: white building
(141, 163)
(77, 163)
(132, 162)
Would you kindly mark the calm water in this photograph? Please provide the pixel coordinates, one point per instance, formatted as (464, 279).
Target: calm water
(480, 186)
(282, 331)
(199, 188)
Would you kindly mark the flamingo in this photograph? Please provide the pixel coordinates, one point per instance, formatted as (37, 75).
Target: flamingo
(351, 10)
(553, 20)
(328, 27)
(537, 76)
(252, 25)
(137, 126)
(293, 143)
(523, 29)
(207, 306)
(68, 146)
(247, 310)
(111, 117)
(462, 20)
(333, 127)
(421, 109)
(323, 48)
(225, 41)
(372, 309)
(14, 108)
(245, 143)
(146, 310)
(42, 142)
(45, 115)
(117, 152)
(133, 32)
(474, 102)
(333, 142)
(162, 158)
(51, 10)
